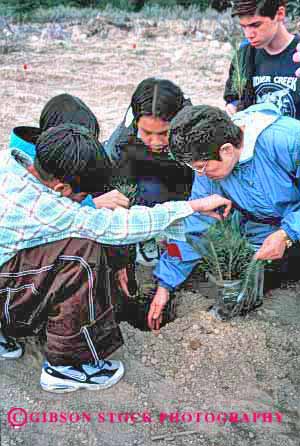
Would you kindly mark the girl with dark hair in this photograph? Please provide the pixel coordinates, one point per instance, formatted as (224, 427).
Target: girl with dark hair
(153, 105)
(139, 147)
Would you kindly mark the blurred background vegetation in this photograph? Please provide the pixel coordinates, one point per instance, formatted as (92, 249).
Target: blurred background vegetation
(27, 10)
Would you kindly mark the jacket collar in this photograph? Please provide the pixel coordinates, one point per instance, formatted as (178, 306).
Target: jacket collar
(255, 119)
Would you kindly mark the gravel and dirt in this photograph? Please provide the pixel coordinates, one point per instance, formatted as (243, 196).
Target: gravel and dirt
(200, 381)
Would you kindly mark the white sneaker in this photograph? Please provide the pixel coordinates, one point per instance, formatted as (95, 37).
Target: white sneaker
(9, 348)
(60, 379)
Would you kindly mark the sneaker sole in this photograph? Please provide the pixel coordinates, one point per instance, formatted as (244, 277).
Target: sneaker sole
(12, 355)
(56, 385)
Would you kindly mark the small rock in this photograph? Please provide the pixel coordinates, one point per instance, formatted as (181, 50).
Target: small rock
(214, 44)
(271, 313)
(195, 344)
(34, 38)
(148, 34)
(199, 36)
(206, 25)
(283, 375)
(77, 35)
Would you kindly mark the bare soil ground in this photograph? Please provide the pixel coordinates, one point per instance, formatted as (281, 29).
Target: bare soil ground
(196, 364)
(104, 72)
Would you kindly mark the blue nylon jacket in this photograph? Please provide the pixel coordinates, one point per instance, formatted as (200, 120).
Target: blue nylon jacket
(265, 183)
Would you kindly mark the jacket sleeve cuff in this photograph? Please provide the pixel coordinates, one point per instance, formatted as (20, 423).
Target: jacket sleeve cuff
(162, 284)
(290, 233)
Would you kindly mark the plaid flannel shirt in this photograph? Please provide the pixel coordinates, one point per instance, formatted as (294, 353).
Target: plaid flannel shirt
(32, 214)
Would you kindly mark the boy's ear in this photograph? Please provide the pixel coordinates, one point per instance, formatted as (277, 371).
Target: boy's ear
(63, 188)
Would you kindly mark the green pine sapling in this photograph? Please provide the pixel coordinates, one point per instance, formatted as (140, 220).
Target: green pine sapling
(225, 253)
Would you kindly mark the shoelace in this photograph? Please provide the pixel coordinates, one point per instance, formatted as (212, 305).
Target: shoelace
(101, 363)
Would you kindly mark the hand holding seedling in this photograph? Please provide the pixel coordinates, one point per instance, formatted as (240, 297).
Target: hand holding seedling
(209, 204)
(111, 200)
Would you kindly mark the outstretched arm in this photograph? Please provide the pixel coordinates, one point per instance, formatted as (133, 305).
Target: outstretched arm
(177, 263)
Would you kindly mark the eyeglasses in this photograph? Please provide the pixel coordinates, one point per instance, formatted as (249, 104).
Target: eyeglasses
(200, 171)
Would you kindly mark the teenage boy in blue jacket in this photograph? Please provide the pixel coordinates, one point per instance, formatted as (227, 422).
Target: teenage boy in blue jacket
(253, 161)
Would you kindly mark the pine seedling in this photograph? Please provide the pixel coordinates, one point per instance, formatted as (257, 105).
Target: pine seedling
(228, 256)
(225, 253)
(239, 78)
(126, 187)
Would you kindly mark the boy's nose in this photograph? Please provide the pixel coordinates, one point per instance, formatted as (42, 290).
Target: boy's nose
(249, 33)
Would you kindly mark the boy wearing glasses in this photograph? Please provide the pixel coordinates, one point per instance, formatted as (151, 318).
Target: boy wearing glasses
(253, 161)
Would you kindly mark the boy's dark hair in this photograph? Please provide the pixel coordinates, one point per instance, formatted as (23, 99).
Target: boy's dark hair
(197, 133)
(265, 8)
(70, 153)
(68, 109)
(157, 97)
